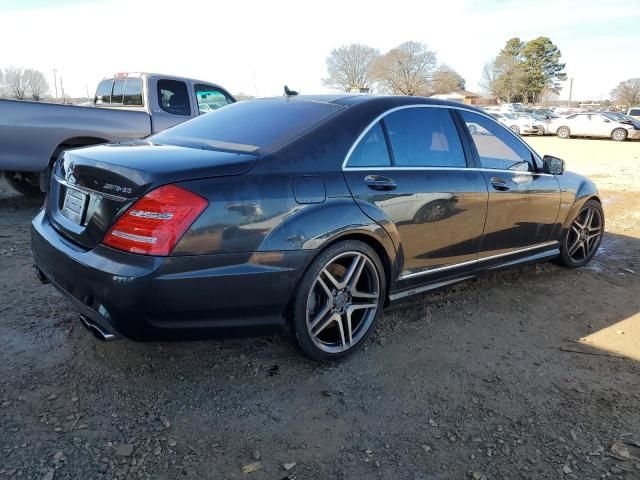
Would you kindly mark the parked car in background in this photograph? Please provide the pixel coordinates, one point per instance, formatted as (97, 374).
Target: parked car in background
(634, 112)
(600, 125)
(521, 125)
(537, 121)
(127, 106)
(511, 107)
(302, 214)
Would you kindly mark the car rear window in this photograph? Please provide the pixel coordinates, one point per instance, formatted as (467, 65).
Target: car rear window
(250, 125)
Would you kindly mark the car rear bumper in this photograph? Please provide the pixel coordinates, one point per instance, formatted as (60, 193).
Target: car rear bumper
(182, 297)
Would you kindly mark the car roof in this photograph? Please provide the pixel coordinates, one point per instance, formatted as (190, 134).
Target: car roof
(353, 99)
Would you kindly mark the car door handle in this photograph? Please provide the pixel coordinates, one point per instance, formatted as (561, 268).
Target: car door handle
(500, 184)
(378, 182)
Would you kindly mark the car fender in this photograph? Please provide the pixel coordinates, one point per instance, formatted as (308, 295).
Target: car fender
(576, 191)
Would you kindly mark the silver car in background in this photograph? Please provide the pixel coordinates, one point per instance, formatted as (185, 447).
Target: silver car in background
(519, 125)
(602, 125)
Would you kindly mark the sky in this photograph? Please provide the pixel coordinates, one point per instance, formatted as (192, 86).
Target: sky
(256, 47)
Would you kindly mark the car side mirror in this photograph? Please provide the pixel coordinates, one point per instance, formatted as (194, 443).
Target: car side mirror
(606, 121)
(552, 165)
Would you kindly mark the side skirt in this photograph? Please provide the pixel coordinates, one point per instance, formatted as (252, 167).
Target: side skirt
(403, 294)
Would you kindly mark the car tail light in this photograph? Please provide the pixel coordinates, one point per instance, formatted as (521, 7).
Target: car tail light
(154, 224)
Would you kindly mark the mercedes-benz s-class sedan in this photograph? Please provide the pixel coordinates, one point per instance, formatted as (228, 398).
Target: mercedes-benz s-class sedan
(306, 214)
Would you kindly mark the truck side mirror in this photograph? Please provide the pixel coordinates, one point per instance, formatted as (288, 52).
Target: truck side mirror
(552, 165)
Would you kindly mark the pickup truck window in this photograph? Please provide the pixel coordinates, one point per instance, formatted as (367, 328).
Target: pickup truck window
(210, 98)
(173, 97)
(103, 92)
(117, 92)
(133, 92)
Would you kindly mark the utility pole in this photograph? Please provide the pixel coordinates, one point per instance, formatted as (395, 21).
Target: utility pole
(55, 83)
(570, 90)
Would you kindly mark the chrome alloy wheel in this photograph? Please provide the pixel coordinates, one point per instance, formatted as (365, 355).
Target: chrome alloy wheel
(585, 234)
(343, 302)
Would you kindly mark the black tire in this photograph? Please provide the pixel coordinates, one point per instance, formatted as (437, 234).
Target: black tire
(619, 135)
(305, 300)
(563, 132)
(515, 129)
(574, 259)
(26, 183)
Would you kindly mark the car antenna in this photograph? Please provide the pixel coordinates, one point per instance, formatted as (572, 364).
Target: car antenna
(289, 93)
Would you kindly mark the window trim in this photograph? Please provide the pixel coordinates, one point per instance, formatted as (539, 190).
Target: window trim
(463, 140)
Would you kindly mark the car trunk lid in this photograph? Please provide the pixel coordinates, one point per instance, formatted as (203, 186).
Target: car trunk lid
(91, 187)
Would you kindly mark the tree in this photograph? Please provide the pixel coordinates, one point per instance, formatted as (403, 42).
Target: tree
(446, 79)
(489, 80)
(406, 70)
(509, 79)
(542, 68)
(36, 83)
(350, 67)
(525, 71)
(15, 82)
(627, 93)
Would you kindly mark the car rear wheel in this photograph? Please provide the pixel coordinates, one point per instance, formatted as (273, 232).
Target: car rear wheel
(515, 129)
(26, 183)
(339, 300)
(619, 135)
(563, 132)
(583, 238)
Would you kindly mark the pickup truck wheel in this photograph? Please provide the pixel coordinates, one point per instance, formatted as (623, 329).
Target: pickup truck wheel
(26, 183)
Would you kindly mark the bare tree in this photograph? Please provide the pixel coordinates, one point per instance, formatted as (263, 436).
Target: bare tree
(627, 93)
(446, 79)
(349, 67)
(15, 82)
(36, 83)
(406, 70)
(489, 80)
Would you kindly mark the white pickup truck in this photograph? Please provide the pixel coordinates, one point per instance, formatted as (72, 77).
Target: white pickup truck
(126, 106)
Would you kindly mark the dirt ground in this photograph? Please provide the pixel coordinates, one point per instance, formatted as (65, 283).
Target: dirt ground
(526, 374)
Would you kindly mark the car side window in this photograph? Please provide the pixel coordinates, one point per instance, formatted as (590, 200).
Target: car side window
(173, 97)
(372, 150)
(424, 137)
(496, 146)
(210, 98)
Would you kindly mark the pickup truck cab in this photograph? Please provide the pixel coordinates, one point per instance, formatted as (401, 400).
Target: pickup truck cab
(126, 106)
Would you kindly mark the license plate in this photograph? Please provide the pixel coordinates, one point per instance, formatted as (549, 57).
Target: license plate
(74, 205)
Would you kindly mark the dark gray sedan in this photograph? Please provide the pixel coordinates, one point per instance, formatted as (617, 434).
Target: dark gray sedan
(302, 214)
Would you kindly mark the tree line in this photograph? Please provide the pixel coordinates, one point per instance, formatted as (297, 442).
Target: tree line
(23, 84)
(408, 69)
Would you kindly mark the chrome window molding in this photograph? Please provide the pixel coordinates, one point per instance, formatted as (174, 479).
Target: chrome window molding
(423, 105)
(464, 169)
(478, 260)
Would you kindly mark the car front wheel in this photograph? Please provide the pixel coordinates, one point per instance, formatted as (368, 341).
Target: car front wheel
(619, 135)
(515, 129)
(339, 300)
(563, 132)
(583, 238)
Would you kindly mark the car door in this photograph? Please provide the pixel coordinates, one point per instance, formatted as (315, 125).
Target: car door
(601, 126)
(409, 172)
(523, 202)
(171, 103)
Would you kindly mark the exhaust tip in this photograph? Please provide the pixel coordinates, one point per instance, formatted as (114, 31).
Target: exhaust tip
(97, 331)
